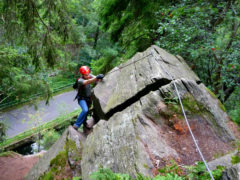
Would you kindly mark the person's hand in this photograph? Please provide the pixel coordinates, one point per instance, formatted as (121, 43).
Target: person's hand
(100, 76)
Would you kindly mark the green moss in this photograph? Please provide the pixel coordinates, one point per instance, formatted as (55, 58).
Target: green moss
(56, 165)
(218, 155)
(221, 106)
(219, 102)
(8, 154)
(71, 147)
(76, 178)
(134, 120)
(59, 161)
(138, 138)
(146, 166)
(114, 99)
(211, 93)
(48, 176)
(190, 104)
(168, 113)
(195, 107)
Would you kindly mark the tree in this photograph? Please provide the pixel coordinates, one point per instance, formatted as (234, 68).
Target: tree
(129, 22)
(34, 35)
(205, 33)
(36, 25)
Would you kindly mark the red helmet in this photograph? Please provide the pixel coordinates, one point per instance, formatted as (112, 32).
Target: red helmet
(84, 70)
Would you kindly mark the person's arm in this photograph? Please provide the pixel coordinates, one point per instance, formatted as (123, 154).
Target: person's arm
(92, 80)
(89, 81)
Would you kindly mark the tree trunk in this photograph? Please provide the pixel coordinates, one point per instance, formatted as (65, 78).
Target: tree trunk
(96, 36)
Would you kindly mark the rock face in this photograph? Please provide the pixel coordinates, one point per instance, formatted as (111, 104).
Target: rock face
(232, 172)
(72, 142)
(142, 126)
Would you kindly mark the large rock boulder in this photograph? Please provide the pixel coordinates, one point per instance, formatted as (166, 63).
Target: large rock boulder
(143, 73)
(142, 126)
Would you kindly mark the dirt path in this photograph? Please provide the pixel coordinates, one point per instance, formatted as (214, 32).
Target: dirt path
(16, 167)
(22, 119)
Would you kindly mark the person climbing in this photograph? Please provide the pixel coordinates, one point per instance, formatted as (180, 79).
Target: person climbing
(83, 84)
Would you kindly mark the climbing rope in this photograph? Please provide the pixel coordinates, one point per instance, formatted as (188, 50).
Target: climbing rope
(130, 64)
(185, 117)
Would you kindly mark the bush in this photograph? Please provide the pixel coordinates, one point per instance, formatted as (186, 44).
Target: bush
(3, 129)
(49, 138)
(235, 115)
(107, 174)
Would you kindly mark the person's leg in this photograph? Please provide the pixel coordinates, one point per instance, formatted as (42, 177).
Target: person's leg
(89, 103)
(83, 114)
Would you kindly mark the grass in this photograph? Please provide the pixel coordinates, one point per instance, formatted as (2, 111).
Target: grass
(8, 154)
(34, 131)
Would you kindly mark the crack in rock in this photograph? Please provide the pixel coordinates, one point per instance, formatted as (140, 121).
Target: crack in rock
(166, 62)
(151, 87)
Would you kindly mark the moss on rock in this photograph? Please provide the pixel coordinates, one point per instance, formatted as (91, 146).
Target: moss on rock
(189, 104)
(211, 93)
(58, 164)
(215, 97)
(221, 106)
(72, 148)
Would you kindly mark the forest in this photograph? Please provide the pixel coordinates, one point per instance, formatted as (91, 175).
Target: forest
(44, 42)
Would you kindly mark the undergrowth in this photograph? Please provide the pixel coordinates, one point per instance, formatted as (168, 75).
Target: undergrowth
(169, 172)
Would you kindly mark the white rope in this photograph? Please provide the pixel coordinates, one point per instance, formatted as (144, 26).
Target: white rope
(183, 111)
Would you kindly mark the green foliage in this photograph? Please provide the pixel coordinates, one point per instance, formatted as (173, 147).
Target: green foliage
(107, 174)
(59, 161)
(201, 33)
(236, 157)
(49, 138)
(106, 62)
(129, 22)
(199, 172)
(41, 25)
(235, 114)
(3, 129)
(76, 178)
(48, 176)
(19, 78)
(235, 160)
(171, 168)
(170, 99)
(169, 176)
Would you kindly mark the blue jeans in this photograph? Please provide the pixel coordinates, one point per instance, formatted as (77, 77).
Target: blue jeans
(83, 114)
